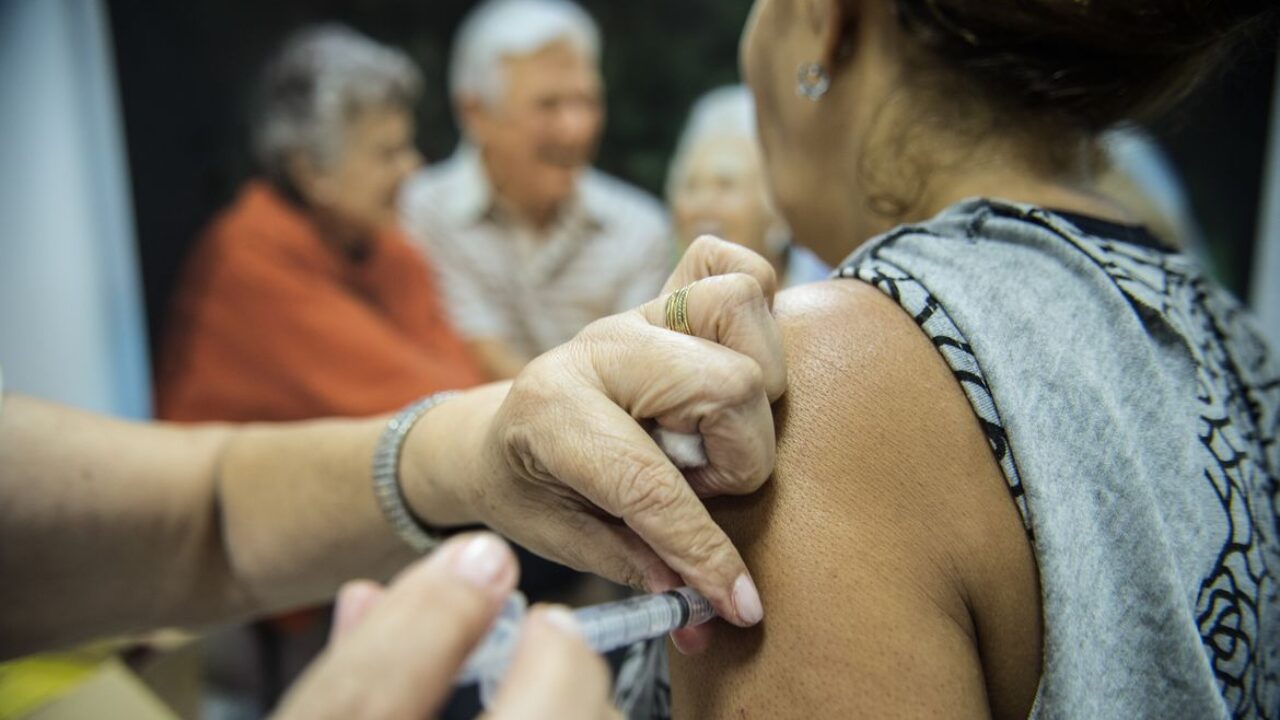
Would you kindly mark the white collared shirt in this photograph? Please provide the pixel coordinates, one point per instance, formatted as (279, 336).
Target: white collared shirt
(609, 251)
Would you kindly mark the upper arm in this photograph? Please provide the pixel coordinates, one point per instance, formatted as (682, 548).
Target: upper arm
(886, 545)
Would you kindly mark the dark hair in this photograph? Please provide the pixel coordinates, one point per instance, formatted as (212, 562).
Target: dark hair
(1088, 63)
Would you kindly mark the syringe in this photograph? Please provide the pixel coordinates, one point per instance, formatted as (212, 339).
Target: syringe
(604, 627)
(618, 624)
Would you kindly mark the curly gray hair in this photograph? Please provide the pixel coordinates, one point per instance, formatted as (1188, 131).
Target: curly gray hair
(322, 77)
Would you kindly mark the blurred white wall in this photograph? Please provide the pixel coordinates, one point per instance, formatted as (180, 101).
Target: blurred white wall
(1266, 265)
(72, 327)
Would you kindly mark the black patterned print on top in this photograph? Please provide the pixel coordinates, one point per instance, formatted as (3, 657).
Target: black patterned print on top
(1240, 416)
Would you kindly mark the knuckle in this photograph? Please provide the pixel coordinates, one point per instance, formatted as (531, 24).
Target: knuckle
(744, 288)
(762, 470)
(733, 294)
(741, 478)
(529, 391)
(648, 492)
(762, 270)
(740, 299)
(703, 552)
(708, 247)
(738, 380)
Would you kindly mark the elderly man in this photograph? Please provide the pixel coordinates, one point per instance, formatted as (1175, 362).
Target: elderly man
(530, 242)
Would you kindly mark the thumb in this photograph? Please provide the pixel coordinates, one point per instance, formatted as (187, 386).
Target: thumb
(354, 602)
(400, 661)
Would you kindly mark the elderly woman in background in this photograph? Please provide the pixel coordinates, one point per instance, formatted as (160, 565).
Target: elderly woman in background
(302, 299)
(716, 186)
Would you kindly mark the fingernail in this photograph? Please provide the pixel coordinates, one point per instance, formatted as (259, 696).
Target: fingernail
(678, 640)
(481, 561)
(344, 611)
(344, 607)
(562, 620)
(746, 600)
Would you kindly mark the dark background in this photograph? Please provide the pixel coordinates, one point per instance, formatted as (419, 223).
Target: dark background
(187, 70)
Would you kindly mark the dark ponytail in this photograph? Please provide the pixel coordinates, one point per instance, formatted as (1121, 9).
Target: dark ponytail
(1088, 63)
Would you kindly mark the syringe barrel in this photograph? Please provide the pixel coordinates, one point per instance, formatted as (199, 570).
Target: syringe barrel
(619, 624)
(604, 627)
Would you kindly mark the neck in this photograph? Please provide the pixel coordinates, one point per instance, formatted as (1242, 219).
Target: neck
(345, 238)
(537, 216)
(1047, 192)
(1000, 176)
(540, 217)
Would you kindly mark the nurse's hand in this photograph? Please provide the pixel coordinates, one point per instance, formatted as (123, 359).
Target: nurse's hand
(572, 472)
(395, 651)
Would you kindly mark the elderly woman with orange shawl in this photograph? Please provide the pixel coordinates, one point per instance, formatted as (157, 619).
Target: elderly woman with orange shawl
(302, 299)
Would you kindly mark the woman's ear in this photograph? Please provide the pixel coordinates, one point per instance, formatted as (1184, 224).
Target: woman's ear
(835, 22)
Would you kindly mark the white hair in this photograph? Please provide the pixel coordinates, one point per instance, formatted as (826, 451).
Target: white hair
(500, 29)
(319, 80)
(727, 111)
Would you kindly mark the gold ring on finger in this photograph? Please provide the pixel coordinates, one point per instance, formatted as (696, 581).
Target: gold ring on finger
(678, 311)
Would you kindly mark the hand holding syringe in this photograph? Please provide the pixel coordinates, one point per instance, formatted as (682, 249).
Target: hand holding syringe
(608, 626)
(604, 627)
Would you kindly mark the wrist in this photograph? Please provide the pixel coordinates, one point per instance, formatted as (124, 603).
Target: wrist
(445, 460)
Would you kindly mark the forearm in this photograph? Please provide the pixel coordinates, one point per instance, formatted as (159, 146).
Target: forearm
(105, 527)
(297, 515)
(109, 527)
(297, 504)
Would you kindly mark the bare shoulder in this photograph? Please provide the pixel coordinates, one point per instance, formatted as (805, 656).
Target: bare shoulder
(896, 576)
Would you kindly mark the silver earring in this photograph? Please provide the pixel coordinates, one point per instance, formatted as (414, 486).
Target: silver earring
(813, 81)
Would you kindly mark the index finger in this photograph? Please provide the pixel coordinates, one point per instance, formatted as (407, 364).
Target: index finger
(654, 500)
(731, 310)
(709, 256)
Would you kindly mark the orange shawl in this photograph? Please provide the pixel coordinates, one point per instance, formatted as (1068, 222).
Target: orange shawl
(271, 324)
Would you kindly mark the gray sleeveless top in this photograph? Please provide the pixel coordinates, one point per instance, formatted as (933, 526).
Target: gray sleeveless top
(1132, 407)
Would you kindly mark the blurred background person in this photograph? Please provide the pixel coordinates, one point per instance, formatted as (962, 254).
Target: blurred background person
(716, 186)
(303, 299)
(531, 242)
